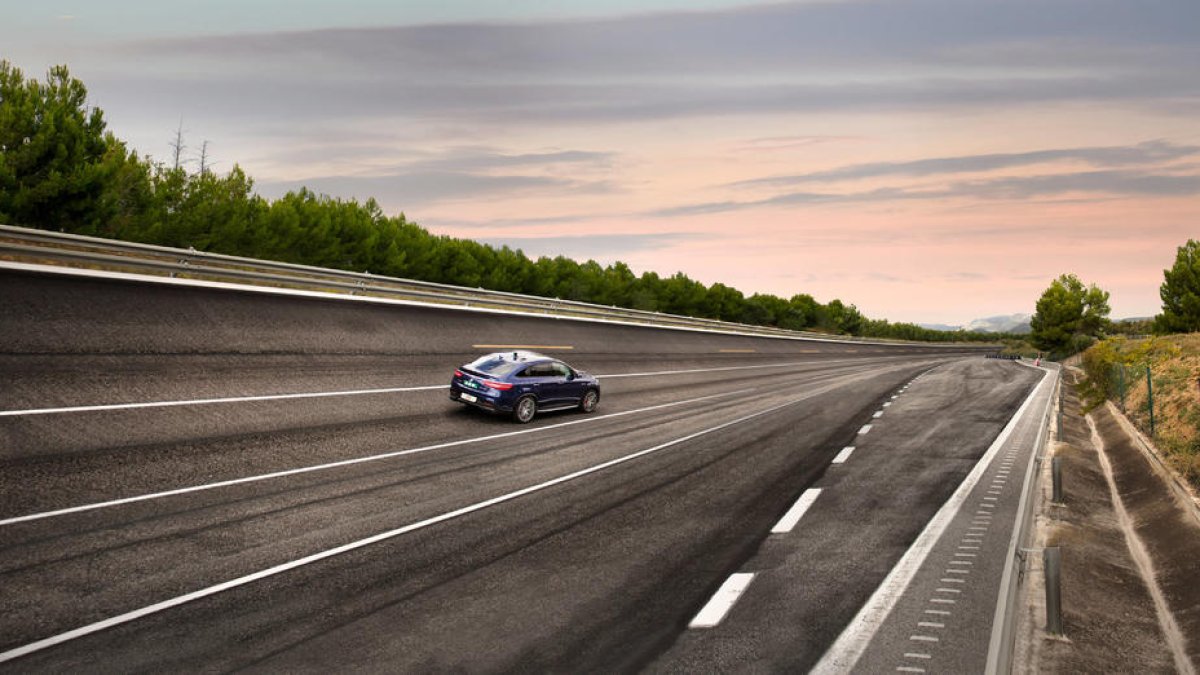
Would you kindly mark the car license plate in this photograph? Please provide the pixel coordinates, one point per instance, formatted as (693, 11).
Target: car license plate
(468, 398)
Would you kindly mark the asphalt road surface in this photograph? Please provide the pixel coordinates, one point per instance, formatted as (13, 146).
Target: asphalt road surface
(313, 501)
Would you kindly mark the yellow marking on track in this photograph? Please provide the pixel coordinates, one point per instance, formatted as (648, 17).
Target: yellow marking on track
(738, 351)
(523, 346)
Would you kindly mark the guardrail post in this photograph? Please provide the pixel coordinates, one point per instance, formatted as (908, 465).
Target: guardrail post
(1056, 480)
(1150, 399)
(1059, 435)
(1052, 564)
(1121, 383)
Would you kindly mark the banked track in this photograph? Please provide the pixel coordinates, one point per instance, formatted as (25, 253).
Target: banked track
(300, 494)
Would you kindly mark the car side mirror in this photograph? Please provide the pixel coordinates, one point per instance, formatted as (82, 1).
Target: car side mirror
(570, 375)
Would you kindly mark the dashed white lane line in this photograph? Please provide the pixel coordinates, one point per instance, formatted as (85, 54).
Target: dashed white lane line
(930, 624)
(348, 392)
(843, 455)
(909, 669)
(722, 601)
(793, 515)
(342, 463)
(938, 612)
(923, 638)
(368, 541)
(878, 414)
(865, 429)
(887, 403)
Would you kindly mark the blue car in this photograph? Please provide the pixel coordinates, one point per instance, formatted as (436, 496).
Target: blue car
(522, 384)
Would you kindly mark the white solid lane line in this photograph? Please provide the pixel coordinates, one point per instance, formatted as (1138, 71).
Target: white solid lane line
(206, 401)
(346, 462)
(789, 519)
(374, 539)
(722, 601)
(352, 392)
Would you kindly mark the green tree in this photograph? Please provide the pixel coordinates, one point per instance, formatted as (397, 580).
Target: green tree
(1069, 316)
(57, 165)
(805, 312)
(1180, 292)
(842, 318)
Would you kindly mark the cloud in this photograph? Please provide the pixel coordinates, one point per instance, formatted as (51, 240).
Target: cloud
(593, 246)
(864, 55)
(1142, 153)
(404, 190)
(441, 175)
(506, 223)
(481, 159)
(756, 39)
(787, 143)
(263, 100)
(1104, 183)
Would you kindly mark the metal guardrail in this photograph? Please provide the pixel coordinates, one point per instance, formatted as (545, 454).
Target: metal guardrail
(27, 245)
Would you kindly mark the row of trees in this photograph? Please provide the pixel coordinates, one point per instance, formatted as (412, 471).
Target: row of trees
(61, 169)
(1070, 316)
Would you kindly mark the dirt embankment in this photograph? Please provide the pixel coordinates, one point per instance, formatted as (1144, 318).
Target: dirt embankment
(1119, 557)
(1116, 370)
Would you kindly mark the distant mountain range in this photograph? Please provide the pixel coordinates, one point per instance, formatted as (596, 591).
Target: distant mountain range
(1007, 323)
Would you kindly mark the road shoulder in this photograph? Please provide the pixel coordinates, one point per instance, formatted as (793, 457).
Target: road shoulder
(1109, 613)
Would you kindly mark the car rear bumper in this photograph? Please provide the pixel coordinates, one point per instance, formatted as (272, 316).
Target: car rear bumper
(481, 402)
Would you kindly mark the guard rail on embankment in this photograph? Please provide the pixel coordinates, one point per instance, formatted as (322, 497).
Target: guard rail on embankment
(24, 245)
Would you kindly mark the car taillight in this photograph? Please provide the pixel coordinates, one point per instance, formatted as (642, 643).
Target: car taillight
(458, 373)
(501, 386)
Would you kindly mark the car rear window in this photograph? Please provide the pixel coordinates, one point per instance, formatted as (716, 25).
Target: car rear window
(490, 365)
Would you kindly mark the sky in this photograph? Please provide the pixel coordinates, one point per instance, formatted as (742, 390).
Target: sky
(931, 161)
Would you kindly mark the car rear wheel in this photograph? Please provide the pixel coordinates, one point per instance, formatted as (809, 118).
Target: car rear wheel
(591, 398)
(525, 409)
